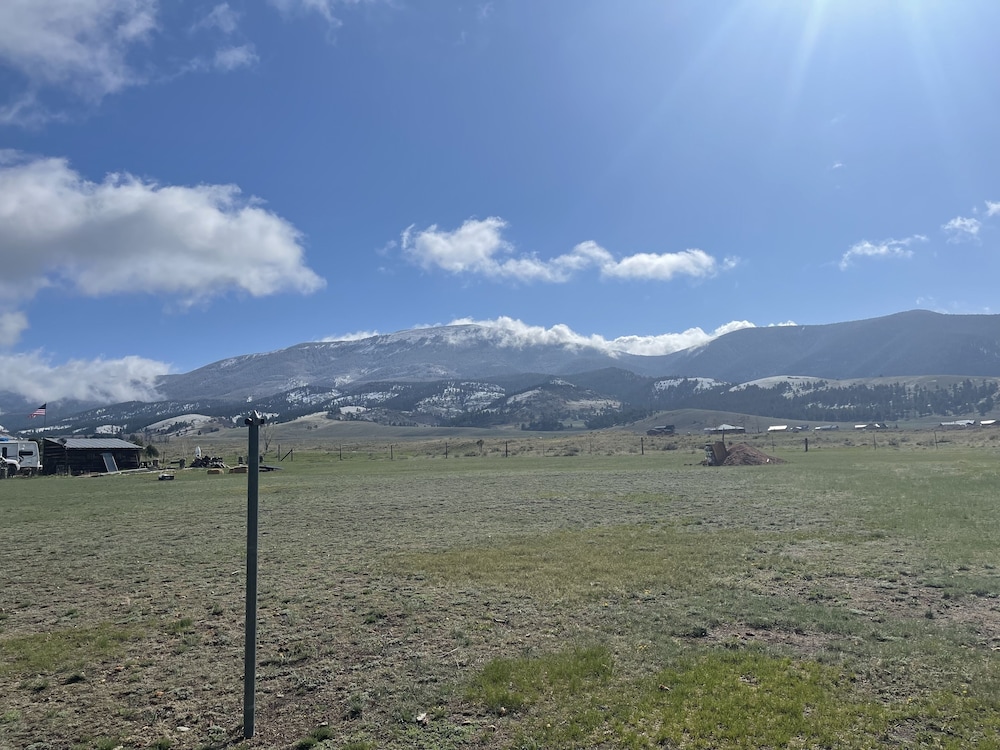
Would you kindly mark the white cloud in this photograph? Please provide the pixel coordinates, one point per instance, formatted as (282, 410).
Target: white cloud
(478, 247)
(513, 332)
(34, 377)
(231, 58)
(470, 248)
(662, 267)
(671, 342)
(81, 45)
(992, 208)
(125, 235)
(962, 229)
(884, 249)
(508, 331)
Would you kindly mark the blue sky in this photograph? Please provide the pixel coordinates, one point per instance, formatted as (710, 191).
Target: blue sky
(185, 181)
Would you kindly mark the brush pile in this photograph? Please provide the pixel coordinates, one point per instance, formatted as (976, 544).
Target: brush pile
(746, 455)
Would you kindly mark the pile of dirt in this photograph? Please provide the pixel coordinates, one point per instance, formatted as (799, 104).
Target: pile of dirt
(746, 455)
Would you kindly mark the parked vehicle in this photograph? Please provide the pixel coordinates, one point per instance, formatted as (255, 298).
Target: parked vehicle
(20, 456)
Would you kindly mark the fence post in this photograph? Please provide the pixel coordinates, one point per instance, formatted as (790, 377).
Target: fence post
(254, 422)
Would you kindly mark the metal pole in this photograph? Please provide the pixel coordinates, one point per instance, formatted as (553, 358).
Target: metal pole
(250, 644)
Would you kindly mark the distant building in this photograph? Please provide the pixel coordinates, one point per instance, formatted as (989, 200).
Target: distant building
(89, 455)
(778, 428)
(724, 428)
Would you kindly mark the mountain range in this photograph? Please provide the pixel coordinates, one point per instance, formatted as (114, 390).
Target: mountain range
(900, 366)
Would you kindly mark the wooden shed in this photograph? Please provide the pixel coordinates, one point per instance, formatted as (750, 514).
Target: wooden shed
(89, 455)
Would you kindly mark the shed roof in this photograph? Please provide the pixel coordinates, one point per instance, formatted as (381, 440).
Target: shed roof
(94, 443)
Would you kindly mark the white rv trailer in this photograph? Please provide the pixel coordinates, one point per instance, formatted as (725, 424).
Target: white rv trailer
(20, 456)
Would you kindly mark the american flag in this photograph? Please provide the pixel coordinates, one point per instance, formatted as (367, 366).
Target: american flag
(39, 412)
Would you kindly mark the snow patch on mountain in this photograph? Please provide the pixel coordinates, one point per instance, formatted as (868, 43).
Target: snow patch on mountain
(700, 384)
(796, 383)
(192, 419)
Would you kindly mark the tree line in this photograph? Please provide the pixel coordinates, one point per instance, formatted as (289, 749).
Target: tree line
(817, 401)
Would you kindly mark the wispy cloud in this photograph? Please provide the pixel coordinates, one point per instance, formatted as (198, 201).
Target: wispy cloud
(231, 55)
(479, 248)
(61, 54)
(231, 58)
(962, 229)
(221, 17)
(355, 336)
(884, 249)
(992, 208)
(12, 325)
(126, 235)
(325, 9)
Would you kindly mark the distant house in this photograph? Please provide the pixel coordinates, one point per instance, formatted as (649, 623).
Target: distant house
(959, 424)
(724, 428)
(778, 428)
(89, 455)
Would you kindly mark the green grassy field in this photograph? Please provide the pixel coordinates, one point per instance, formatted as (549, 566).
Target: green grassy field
(547, 592)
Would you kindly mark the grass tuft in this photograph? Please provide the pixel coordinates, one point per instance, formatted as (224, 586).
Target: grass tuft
(180, 627)
(314, 738)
